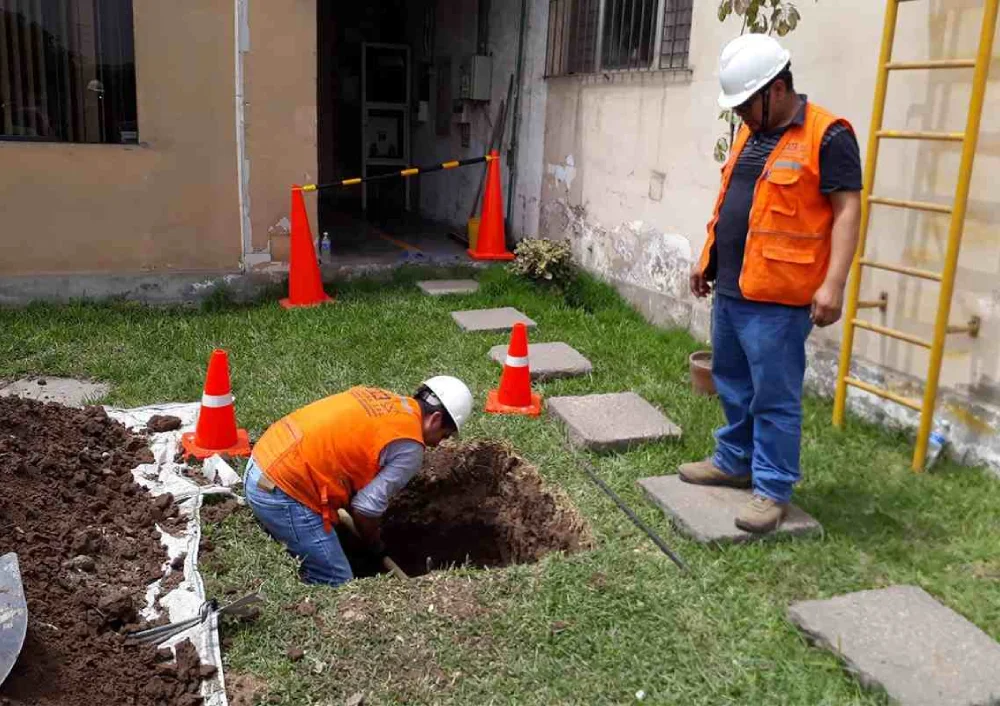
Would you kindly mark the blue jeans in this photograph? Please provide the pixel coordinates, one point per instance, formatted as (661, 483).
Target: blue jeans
(759, 364)
(300, 530)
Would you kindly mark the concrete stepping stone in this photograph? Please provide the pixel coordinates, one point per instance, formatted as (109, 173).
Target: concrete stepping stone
(502, 319)
(441, 287)
(902, 640)
(614, 421)
(67, 391)
(549, 361)
(706, 512)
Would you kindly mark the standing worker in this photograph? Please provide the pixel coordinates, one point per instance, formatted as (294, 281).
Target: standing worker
(779, 250)
(352, 450)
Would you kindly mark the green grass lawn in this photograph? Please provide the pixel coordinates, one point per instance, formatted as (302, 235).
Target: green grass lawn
(591, 628)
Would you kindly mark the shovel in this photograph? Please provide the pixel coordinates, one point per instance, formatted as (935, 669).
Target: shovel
(13, 613)
(391, 566)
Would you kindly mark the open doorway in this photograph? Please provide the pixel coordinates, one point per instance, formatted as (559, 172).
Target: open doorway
(408, 83)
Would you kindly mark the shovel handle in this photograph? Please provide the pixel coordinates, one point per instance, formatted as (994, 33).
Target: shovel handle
(387, 562)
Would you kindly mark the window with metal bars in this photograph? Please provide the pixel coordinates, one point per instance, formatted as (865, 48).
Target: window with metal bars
(588, 36)
(67, 71)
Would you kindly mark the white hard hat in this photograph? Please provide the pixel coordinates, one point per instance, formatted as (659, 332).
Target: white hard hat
(747, 64)
(454, 396)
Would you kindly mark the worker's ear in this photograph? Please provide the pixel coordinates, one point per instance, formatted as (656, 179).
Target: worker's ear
(435, 420)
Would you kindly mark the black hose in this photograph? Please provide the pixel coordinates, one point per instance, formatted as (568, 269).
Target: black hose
(657, 540)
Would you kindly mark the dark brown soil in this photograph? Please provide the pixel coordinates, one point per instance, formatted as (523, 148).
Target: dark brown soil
(86, 541)
(482, 505)
(214, 512)
(163, 422)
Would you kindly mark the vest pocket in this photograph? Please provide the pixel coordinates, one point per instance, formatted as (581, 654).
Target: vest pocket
(782, 199)
(796, 256)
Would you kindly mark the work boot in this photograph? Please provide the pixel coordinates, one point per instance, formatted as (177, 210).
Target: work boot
(761, 515)
(707, 473)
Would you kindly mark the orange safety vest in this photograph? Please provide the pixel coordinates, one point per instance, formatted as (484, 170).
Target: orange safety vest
(788, 243)
(324, 453)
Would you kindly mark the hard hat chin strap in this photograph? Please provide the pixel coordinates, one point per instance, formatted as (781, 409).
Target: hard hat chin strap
(765, 108)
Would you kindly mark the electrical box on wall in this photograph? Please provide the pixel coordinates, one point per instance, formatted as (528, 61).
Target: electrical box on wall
(475, 78)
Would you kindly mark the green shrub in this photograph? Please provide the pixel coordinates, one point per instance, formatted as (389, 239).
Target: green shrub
(544, 261)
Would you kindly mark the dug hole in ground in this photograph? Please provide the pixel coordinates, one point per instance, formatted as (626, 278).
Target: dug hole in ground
(477, 504)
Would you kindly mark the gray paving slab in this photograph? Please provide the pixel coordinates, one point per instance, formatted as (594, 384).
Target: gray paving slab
(502, 319)
(902, 640)
(706, 513)
(615, 421)
(549, 361)
(67, 391)
(441, 287)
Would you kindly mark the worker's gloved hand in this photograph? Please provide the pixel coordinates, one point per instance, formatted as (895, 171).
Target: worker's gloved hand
(370, 529)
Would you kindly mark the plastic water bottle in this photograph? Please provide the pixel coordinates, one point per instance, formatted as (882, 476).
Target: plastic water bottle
(326, 251)
(936, 443)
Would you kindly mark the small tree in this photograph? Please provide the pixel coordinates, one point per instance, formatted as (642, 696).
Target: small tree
(757, 17)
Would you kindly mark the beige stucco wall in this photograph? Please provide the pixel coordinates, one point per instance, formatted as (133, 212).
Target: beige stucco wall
(171, 204)
(610, 142)
(281, 110)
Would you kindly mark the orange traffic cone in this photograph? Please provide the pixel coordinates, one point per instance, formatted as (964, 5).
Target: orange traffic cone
(305, 286)
(491, 242)
(515, 395)
(216, 431)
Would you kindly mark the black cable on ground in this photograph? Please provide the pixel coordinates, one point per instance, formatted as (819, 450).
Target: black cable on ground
(657, 540)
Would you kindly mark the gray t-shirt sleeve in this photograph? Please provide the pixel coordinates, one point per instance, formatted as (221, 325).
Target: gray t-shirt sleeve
(398, 463)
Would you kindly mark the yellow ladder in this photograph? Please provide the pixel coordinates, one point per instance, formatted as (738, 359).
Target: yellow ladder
(957, 210)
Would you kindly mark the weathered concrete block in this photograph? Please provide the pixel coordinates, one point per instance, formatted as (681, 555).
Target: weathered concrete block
(706, 513)
(902, 640)
(549, 361)
(440, 287)
(502, 319)
(67, 391)
(612, 421)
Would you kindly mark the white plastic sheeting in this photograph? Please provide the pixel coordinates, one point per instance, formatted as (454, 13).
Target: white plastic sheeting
(166, 476)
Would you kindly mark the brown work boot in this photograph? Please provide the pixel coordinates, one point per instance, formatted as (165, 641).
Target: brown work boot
(707, 473)
(761, 515)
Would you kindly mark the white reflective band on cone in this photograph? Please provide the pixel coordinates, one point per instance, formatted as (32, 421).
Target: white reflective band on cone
(517, 361)
(217, 400)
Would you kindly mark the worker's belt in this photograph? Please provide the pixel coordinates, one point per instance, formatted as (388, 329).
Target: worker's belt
(265, 483)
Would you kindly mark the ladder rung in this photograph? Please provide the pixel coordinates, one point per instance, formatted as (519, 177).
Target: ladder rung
(931, 64)
(892, 333)
(918, 205)
(885, 394)
(903, 270)
(921, 135)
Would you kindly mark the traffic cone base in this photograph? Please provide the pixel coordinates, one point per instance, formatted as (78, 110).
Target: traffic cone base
(241, 448)
(490, 256)
(494, 406)
(286, 303)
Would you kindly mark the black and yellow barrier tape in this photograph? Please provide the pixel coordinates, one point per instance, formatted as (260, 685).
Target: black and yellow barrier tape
(403, 173)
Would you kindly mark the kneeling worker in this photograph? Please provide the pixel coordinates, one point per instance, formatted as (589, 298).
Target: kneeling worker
(353, 450)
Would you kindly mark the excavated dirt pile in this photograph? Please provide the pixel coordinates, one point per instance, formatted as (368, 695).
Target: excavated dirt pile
(86, 541)
(482, 505)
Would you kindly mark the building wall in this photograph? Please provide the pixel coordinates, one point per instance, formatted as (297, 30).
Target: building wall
(281, 118)
(630, 181)
(171, 203)
(448, 197)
